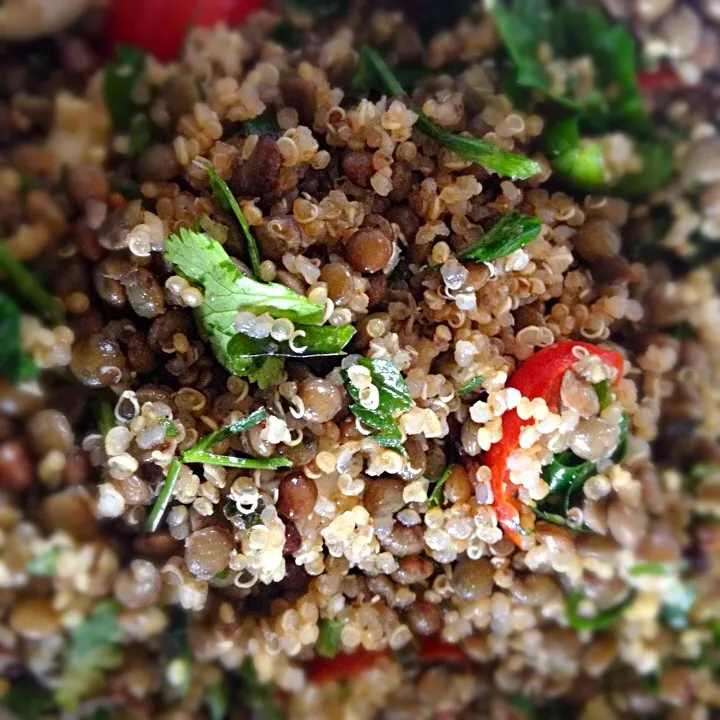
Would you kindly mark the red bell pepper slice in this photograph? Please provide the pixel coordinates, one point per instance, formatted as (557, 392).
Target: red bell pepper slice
(343, 666)
(434, 650)
(540, 376)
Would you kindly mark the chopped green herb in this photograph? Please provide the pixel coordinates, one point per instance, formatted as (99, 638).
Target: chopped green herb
(684, 331)
(472, 386)
(28, 183)
(602, 621)
(362, 80)
(263, 124)
(436, 496)
(129, 189)
(93, 650)
(27, 699)
(28, 288)
(287, 33)
(468, 148)
(104, 415)
(171, 430)
(204, 262)
(677, 602)
(163, 499)
(16, 365)
(328, 642)
(140, 134)
(572, 31)
(45, 563)
(651, 568)
(266, 373)
(208, 458)
(604, 393)
(216, 699)
(394, 398)
(224, 196)
(121, 75)
(512, 232)
(579, 161)
(223, 575)
(522, 705)
(199, 453)
(256, 696)
(319, 341)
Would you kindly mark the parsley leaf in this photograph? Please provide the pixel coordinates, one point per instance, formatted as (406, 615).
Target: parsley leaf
(121, 74)
(471, 386)
(27, 699)
(264, 124)
(394, 398)
(139, 134)
(436, 496)
(93, 650)
(319, 341)
(468, 148)
(203, 261)
(16, 365)
(573, 31)
(511, 233)
(171, 430)
(328, 642)
(227, 200)
(602, 621)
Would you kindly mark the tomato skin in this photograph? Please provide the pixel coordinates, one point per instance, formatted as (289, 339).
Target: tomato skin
(540, 376)
(160, 26)
(343, 666)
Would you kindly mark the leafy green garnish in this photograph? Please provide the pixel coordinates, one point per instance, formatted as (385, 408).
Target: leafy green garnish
(604, 393)
(651, 568)
(16, 365)
(320, 341)
(139, 134)
(657, 169)
(436, 496)
(264, 124)
(394, 398)
(602, 621)
(478, 151)
(203, 261)
(93, 650)
(199, 453)
(512, 232)
(227, 200)
(287, 33)
(129, 189)
(171, 430)
(216, 699)
(45, 563)
(256, 696)
(27, 699)
(328, 642)
(104, 415)
(121, 74)
(28, 288)
(470, 387)
(573, 31)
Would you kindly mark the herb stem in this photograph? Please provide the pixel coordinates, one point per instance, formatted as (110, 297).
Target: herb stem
(223, 193)
(29, 289)
(254, 418)
(104, 416)
(208, 458)
(163, 499)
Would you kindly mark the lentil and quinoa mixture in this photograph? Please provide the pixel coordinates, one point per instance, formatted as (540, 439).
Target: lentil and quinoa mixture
(341, 413)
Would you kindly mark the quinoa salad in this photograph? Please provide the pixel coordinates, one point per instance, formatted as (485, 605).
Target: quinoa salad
(359, 360)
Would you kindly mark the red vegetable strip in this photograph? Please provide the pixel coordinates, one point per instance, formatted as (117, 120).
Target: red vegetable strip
(343, 666)
(540, 376)
(434, 650)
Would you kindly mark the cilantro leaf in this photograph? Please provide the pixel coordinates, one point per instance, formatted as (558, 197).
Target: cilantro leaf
(121, 74)
(328, 642)
(266, 373)
(15, 364)
(394, 397)
(203, 261)
(481, 152)
(602, 621)
(93, 650)
(657, 169)
(319, 341)
(224, 196)
(171, 430)
(581, 162)
(511, 233)
(471, 386)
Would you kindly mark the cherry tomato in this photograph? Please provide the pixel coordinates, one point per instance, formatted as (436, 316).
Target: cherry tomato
(160, 26)
(540, 376)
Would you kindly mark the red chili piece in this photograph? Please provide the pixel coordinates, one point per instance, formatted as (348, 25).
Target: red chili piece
(539, 376)
(343, 666)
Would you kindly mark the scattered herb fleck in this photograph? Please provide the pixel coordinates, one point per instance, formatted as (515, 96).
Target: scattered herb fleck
(16, 365)
(436, 496)
(328, 642)
(472, 386)
(512, 232)
(602, 621)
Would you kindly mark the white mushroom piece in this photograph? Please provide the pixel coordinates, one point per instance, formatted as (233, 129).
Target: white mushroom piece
(29, 19)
